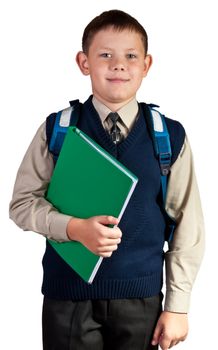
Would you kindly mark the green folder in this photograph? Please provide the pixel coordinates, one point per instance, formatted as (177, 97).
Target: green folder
(87, 181)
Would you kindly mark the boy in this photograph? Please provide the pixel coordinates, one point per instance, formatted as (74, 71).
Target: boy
(122, 308)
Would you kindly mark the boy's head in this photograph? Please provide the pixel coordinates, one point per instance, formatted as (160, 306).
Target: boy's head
(117, 19)
(115, 57)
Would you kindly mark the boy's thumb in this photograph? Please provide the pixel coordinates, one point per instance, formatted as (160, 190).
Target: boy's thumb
(156, 335)
(108, 220)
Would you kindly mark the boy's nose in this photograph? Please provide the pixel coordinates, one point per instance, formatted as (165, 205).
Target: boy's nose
(119, 68)
(118, 65)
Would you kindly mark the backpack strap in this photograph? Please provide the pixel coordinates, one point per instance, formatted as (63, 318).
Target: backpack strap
(63, 119)
(161, 142)
(162, 147)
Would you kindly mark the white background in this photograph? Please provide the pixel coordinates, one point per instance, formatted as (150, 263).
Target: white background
(39, 40)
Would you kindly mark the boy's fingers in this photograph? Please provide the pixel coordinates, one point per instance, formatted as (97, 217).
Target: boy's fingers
(107, 251)
(114, 234)
(108, 248)
(156, 335)
(110, 242)
(173, 343)
(107, 220)
(111, 233)
(165, 342)
(105, 254)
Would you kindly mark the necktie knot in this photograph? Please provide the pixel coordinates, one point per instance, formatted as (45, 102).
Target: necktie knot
(113, 117)
(115, 132)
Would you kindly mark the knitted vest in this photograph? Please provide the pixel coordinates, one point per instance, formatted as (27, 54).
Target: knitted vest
(135, 270)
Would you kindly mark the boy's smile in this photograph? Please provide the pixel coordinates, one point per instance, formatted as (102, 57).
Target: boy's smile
(116, 63)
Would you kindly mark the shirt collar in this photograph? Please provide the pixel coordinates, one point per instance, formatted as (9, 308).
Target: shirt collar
(127, 113)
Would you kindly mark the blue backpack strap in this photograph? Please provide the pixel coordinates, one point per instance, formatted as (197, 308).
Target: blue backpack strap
(63, 119)
(162, 147)
(161, 140)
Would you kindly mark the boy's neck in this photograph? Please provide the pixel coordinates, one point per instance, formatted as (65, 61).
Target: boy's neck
(127, 113)
(114, 107)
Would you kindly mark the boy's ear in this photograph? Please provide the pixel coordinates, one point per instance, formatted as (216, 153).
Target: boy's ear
(147, 64)
(82, 62)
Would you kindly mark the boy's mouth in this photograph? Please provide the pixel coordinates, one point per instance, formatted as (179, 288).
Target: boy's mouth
(118, 80)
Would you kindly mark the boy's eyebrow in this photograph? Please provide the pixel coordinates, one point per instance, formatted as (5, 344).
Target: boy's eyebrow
(110, 48)
(105, 48)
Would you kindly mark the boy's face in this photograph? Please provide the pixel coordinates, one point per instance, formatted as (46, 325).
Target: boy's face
(116, 64)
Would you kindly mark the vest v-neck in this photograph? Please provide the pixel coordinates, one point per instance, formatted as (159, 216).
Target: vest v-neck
(102, 136)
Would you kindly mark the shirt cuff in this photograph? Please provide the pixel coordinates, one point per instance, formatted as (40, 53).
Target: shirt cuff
(58, 227)
(177, 302)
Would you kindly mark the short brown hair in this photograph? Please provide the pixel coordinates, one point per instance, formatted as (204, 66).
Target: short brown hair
(119, 20)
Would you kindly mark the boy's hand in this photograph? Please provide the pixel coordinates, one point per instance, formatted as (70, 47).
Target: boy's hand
(171, 328)
(95, 235)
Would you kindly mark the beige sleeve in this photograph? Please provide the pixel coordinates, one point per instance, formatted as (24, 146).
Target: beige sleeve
(28, 207)
(186, 249)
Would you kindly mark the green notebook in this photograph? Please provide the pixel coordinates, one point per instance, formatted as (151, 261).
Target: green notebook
(87, 181)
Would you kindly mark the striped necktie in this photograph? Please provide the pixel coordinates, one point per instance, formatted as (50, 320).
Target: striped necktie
(115, 132)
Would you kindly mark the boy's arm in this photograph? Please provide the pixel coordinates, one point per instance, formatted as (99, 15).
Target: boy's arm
(28, 208)
(186, 249)
(31, 211)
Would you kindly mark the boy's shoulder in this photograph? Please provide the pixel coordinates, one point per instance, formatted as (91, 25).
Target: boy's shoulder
(59, 121)
(177, 136)
(172, 127)
(171, 123)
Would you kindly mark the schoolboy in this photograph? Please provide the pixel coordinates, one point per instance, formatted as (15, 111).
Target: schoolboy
(122, 308)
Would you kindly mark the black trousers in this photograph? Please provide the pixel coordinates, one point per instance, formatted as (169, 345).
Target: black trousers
(100, 324)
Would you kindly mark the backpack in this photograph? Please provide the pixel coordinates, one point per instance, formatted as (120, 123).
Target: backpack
(56, 129)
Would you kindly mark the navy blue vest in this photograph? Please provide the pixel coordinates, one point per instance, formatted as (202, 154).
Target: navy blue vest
(135, 270)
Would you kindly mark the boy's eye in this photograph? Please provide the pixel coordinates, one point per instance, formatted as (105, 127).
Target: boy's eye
(131, 55)
(106, 55)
